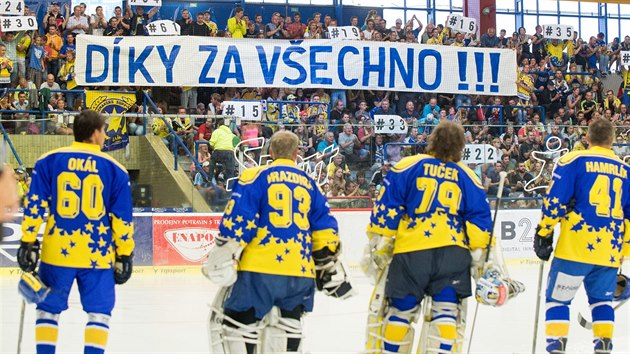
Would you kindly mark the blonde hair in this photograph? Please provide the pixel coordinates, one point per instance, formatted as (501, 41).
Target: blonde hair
(283, 145)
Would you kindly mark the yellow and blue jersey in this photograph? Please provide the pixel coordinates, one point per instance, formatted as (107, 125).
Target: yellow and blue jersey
(594, 231)
(88, 198)
(426, 203)
(279, 214)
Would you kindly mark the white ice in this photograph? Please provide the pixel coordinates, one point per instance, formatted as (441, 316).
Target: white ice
(168, 314)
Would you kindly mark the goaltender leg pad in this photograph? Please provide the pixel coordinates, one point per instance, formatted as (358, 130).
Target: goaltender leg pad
(398, 329)
(376, 313)
(282, 331)
(442, 330)
(229, 335)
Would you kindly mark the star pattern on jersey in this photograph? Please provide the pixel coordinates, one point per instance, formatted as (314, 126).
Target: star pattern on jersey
(102, 229)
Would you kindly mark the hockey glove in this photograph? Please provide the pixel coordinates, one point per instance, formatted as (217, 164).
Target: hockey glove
(622, 291)
(123, 268)
(330, 276)
(494, 288)
(543, 245)
(221, 267)
(28, 255)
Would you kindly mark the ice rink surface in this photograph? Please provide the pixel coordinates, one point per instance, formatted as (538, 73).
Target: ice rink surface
(168, 314)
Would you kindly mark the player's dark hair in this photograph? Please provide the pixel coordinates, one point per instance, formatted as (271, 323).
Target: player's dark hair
(86, 123)
(447, 142)
(601, 132)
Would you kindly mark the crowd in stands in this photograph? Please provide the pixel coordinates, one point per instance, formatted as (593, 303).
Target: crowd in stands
(560, 90)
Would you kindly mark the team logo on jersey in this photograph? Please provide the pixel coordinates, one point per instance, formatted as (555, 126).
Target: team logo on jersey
(192, 243)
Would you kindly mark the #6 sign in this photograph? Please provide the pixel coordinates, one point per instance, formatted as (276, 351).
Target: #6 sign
(18, 23)
(462, 24)
(561, 32)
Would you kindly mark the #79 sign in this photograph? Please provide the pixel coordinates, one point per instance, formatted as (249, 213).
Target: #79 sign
(145, 2)
(462, 24)
(344, 32)
(18, 23)
(561, 32)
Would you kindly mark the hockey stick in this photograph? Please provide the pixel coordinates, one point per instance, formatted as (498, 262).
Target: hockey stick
(589, 325)
(502, 176)
(21, 327)
(538, 300)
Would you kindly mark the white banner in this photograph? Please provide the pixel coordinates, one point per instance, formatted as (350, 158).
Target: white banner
(389, 124)
(248, 110)
(561, 32)
(462, 24)
(145, 2)
(329, 64)
(18, 23)
(12, 7)
(625, 58)
(163, 28)
(480, 153)
(344, 32)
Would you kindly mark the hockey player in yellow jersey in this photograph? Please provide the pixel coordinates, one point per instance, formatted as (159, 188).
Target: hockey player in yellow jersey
(88, 235)
(590, 197)
(279, 231)
(431, 212)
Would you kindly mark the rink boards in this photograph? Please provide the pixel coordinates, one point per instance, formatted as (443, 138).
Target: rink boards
(172, 243)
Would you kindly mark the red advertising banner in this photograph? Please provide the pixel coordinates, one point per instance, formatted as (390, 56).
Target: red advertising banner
(181, 239)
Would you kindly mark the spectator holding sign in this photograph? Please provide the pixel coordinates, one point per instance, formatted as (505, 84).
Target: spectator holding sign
(139, 20)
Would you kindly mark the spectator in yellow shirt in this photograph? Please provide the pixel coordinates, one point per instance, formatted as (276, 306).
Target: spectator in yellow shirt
(6, 67)
(211, 25)
(22, 47)
(236, 25)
